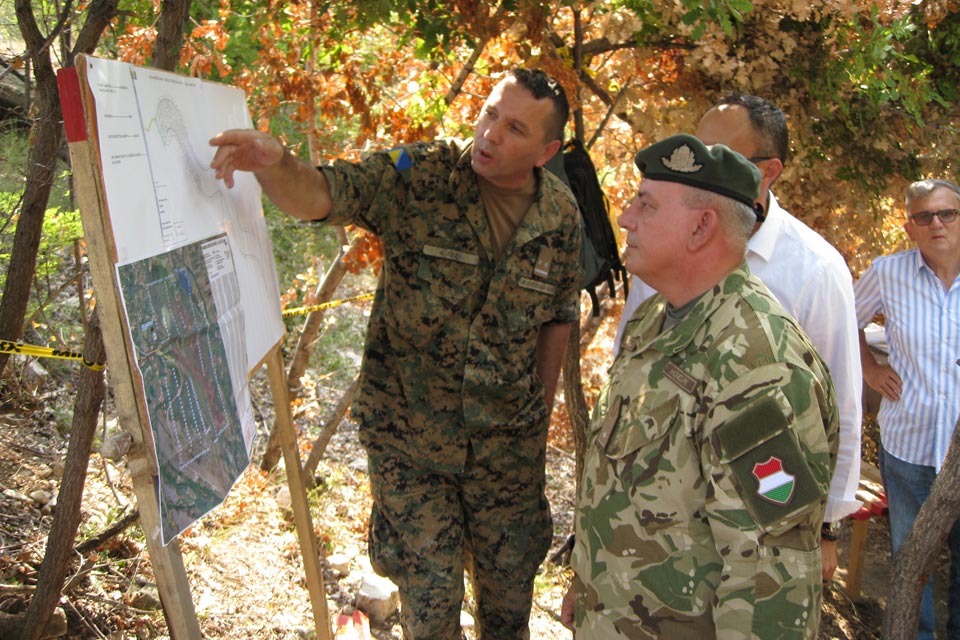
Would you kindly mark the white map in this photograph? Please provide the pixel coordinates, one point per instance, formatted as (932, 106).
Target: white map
(153, 128)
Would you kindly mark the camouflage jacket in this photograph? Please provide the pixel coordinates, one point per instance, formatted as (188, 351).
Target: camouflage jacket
(450, 349)
(706, 474)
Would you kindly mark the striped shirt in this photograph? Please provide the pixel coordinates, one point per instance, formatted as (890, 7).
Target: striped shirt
(923, 334)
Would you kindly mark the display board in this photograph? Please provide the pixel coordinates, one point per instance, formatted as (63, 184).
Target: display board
(187, 292)
(196, 274)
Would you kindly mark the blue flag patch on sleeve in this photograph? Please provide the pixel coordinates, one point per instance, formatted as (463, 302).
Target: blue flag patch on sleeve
(401, 159)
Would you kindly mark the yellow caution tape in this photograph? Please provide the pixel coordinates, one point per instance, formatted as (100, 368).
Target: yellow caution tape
(299, 311)
(19, 348)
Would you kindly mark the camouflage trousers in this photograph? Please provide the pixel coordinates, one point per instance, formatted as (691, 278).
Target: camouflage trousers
(427, 527)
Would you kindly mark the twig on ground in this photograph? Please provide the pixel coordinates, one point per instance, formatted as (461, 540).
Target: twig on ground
(83, 619)
(118, 526)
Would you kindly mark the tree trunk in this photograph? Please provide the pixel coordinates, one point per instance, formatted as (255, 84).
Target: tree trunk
(330, 424)
(59, 551)
(173, 20)
(46, 135)
(301, 355)
(576, 403)
(918, 555)
(40, 175)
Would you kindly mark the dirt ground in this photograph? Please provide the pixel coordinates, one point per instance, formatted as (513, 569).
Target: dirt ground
(243, 560)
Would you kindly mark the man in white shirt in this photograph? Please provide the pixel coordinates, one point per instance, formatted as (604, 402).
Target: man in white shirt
(807, 275)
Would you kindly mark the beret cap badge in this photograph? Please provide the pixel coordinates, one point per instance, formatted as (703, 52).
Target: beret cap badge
(682, 160)
(686, 159)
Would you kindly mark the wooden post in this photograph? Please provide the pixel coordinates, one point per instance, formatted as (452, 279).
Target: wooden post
(166, 561)
(298, 494)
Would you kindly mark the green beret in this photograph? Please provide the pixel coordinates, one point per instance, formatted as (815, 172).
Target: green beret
(685, 159)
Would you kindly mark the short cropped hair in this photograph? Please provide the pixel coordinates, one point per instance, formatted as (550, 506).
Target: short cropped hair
(542, 86)
(768, 122)
(736, 218)
(922, 188)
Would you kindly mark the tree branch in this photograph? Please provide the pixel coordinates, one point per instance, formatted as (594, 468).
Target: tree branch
(99, 15)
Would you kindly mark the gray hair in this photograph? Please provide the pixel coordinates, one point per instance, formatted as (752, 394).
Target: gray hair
(922, 188)
(736, 218)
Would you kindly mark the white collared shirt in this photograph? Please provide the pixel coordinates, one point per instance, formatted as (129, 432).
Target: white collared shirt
(812, 281)
(923, 337)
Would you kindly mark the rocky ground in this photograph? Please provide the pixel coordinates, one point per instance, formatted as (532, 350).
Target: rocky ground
(243, 559)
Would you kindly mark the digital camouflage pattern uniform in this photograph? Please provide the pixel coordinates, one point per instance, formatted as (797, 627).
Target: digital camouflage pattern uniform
(450, 408)
(706, 474)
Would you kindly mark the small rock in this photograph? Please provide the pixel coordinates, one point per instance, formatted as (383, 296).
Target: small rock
(41, 496)
(117, 445)
(379, 598)
(34, 374)
(283, 498)
(44, 471)
(145, 599)
(338, 562)
(16, 495)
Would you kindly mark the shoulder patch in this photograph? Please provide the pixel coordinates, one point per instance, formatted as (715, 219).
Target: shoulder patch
(401, 159)
(770, 471)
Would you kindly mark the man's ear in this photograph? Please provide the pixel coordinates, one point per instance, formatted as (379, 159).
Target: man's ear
(548, 152)
(770, 170)
(707, 224)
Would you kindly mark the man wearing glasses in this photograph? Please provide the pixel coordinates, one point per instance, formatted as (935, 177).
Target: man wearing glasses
(808, 277)
(918, 292)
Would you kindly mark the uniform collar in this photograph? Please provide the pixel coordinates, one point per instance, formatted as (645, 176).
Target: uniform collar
(679, 338)
(544, 215)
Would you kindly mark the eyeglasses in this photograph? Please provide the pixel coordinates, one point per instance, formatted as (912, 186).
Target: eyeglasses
(756, 159)
(924, 218)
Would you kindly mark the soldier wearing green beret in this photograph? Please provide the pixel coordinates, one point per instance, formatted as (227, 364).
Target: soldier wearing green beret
(712, 446)
(470, 321)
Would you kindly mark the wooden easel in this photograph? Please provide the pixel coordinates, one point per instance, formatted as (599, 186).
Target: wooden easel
(81, 129)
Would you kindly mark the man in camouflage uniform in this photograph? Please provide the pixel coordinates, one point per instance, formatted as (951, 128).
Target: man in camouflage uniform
(465, 343)
(713, 444)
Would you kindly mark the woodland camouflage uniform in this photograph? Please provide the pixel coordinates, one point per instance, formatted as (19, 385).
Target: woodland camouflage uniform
(448, 389)
(676, 537)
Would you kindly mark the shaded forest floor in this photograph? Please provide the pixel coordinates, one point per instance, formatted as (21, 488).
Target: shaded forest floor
(243, 559)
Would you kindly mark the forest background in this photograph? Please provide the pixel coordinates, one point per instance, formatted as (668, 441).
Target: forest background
(869, 88)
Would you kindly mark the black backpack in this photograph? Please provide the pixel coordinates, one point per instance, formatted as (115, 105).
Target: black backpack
(600, 256)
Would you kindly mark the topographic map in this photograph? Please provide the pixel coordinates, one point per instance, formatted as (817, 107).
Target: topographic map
(186, 378)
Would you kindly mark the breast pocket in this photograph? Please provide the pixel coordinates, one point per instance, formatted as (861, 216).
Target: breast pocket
(425, 288)
(635, 438)
(528, 306)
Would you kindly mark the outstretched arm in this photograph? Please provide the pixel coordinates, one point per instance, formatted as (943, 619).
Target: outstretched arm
(297, 188)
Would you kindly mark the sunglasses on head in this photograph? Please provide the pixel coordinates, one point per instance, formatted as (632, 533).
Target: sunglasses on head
(924, 218)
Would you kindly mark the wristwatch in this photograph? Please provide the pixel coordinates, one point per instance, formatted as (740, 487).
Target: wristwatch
(829, 531)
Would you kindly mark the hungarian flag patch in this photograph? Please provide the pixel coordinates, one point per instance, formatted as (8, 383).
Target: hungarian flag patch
(776, 485)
